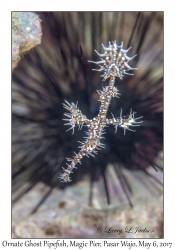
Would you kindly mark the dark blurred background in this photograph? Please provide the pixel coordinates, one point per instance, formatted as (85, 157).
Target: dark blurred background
(57, 70)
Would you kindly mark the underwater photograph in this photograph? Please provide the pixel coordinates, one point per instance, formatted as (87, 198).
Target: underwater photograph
(87, 125)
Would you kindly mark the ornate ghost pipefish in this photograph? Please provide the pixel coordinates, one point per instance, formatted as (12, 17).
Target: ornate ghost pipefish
(114, 63)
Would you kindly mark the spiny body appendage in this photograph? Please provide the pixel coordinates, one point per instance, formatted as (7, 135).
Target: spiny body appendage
(75, 117)
(114, 63)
